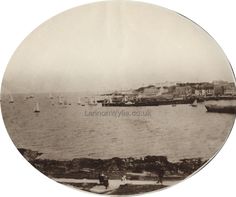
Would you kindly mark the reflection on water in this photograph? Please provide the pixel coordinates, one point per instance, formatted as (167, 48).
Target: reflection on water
(65, 132)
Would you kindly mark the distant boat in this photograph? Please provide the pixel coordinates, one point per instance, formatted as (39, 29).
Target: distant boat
(93, 102)
(173, 105)
(194, 104)
(50, 96)
(65, 102)
(79, 101)
(110, 100)
(107, 101)
(37, 110)
(129, 103)
(60, 101)
(11, 100)
(231, 109)
(125, 99)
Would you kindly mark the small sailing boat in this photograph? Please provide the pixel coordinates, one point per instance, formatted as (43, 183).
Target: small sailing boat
(125, 99)
(79, 101)
(36, 109)
(194, 104)
(50, 96)
(11, 99)
(65, 102)
(60, 101)
(82, 103)
(93, 102)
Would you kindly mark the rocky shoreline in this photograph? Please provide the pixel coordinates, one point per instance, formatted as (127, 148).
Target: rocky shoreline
(145, 168)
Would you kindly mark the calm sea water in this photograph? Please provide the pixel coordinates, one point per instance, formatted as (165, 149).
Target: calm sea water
(72, 131)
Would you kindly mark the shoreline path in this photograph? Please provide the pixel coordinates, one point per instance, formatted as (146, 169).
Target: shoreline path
(113, 184)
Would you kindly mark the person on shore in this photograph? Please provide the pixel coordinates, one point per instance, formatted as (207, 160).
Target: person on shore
(123, 179)
(101, 178)
(160, 175)
(106, 181)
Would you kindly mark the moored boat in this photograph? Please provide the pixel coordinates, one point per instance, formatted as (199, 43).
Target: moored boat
(221, 109)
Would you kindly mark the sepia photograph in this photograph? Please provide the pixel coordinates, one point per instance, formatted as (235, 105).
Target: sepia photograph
(118, 98)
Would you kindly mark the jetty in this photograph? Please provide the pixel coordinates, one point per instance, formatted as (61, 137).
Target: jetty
(147, 102)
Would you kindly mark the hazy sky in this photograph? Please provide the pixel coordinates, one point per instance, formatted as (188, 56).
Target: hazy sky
(114, 45)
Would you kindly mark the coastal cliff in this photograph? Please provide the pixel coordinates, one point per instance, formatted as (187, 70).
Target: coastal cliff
(88, 168)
